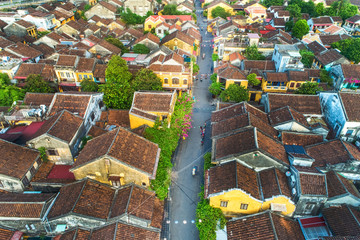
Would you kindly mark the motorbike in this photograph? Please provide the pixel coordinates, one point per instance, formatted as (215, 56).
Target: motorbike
(194, 170)
(203, 55)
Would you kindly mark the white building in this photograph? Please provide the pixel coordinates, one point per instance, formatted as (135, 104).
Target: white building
(41, 20)
(287, 57)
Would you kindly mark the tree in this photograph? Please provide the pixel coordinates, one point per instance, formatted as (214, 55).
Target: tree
(342, 8)
(308, 7)
(320, 9)
(269, 3)
(309, 88)
(220, 12)
(141, 48)
(35, 83)
(131, 18)
(215, 57)
(295, 11)
(216, 88)
(289, 25)
(9, 94)
(300, 28)
(235, 93)
(117, 71)
(325, 77)
(4, 79)
(117, 95)
(196, 69)
(170, 9)
(146, 79)
(88, 85)
(252, 53)
(350, 48)
(117, 43)
(307, 58)
(213, 77)
(252, 79)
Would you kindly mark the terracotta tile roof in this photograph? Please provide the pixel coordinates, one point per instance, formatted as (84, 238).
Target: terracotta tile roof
(49, 173)
(193, 33)
(166, 68)
(85, 65)
(338, 185)
(16, 160)
(63, 125)
(298, 75)
(322, 20)
(150, 37)
(137, 34)
(233, 175)
(279, 22)
(24, 24)
(240, 121)
(231, 73)
(24, 51)
(26, 69)
(127, 231)
(179, 35)
(305, 104)
(286, 114)
(67, 61)
(123, 146)
(116, 117)
(236, 55)
(144, 114)
(264, 225)
(6, 234)
(328, 57)
(87, 198)
(313, 184)
(45, 49)
(327, 40)
(154, 101)
(271, 147)
(157, 213)
(106, 232)
(237, 109)
(75, 103)
(273, 183)
(354, 151)
(350, 102)
(37, 99)
(353, 19)
(351, 70)
(349, 223)
(96, 131)
(331, 152)
(173, 56)
(5, 42)
(259, 64)
(109, 6)
(276, 77)
(316, 47)
(105, 44)
(99, 70)
(302, 139)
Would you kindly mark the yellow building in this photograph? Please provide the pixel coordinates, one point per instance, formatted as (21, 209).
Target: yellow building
(84, 69)
(147, 107)
(117, 158)
(256, 10)
(220, 3)
(237, 190)
(173, 72)
(65, 71)
(154, 20)
(228, 74)
(180, 40)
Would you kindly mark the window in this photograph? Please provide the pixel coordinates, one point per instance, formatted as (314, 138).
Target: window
(68, 75)
(92, 116)
(80, 77)
(85, 76)
(244, 206)
(62, 74)
(149, 26)
(309, 208)
(349, 132)
(115, 181)
(52, 152)
(143, 184)
(185, 82)
(38, 161)
(32, 170)
(159, 31)
(223, 203)
(25, 181)
(298, 85)
(175, 81)
(292, 85)
(166, 81)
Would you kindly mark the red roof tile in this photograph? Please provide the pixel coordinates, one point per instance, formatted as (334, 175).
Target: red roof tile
(343, 220)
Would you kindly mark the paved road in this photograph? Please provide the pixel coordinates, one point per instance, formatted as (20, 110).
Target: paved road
(185, 187)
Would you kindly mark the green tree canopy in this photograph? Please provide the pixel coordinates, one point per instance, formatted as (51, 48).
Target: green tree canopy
(319, 9)
(117, 95)
(116, 42)
(215, 57)
(300, 28)
(170, 9)
(88, 85)
(252, 79)
(289, 25)
(295, 10)
(350, 48)
(213, 77)
(141, 48)
(196, 69)
(131, 18)
(117, 71)
(325, 77)
(342, 8)
(309, 88)
(252, 53)
(307, 58)
(146, 79)
(4, 79)
(220, 12)
(235, 93)
(9, 94)
(269, 3)
(216, 88)
(35, 83)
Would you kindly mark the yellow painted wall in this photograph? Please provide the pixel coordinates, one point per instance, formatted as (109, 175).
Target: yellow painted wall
(226, 7)
(99, 171)
(82, 74)
(235, 198)
(136, 121)
(149, 24)
(265, 89)
(72, 73)
(244, 83)
(175, 43)
(169, 76)
(257, 96)
(290, 207)
(10, 73)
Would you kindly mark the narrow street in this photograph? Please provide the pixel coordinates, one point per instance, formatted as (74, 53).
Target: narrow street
(185, 187)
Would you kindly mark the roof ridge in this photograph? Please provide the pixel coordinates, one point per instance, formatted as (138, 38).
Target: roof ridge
(353, 215)
(112, 203)
(273, 225)
(277, 181)
(113, 141)
(258, 180)
(342, 184)
(82, 189)
(61, 113)
(130, 194)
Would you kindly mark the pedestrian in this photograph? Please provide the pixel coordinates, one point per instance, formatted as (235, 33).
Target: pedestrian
(201, 129)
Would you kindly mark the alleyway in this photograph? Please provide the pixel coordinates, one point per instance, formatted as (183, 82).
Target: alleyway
(185, 187)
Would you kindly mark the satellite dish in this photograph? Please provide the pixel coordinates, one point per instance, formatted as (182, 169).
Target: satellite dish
(288, 173)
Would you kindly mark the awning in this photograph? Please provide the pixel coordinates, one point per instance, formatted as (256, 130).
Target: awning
(67, 84)
(313, 222)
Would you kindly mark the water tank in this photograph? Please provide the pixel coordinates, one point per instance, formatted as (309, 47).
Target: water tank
(293, 191)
